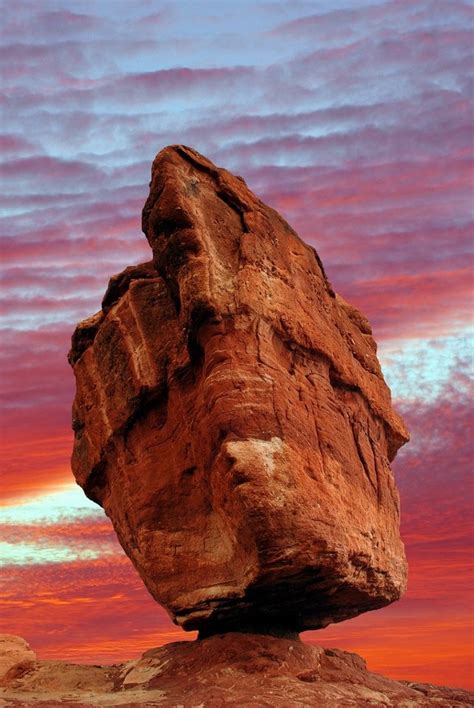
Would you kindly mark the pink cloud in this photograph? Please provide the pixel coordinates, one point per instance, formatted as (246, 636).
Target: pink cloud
(414, 306)
(15, 144)
(53, 170)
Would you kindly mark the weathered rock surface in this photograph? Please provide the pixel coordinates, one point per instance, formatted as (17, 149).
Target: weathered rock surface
(224, 670)
(232, 419)
(14, 650)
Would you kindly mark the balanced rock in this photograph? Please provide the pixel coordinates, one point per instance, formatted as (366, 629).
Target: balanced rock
(232, 419)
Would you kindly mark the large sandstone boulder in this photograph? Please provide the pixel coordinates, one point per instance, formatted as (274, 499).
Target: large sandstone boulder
(232, 419)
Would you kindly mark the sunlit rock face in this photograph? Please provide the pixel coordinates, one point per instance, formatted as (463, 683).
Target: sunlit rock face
(232, 419)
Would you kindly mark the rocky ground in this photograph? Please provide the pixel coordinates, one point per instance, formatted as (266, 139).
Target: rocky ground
(232, 669)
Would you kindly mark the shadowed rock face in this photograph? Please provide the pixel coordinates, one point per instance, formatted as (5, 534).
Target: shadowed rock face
(232, 419)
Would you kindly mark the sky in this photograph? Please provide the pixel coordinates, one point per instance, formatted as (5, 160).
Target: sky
(354, 120)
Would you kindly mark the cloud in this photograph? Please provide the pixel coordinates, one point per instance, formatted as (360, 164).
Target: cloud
(343, 23)
(62, 609)
(52, 246)
(420, 370)
(15, 144)
(38, 465)
(369, 144)
(77, 534)
(63, 21)
(52, 171)
(36, 395)
(404, 306)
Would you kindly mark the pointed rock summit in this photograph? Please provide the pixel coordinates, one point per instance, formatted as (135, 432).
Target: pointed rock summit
(232, 419)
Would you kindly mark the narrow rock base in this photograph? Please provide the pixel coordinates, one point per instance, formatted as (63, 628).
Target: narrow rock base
(233, 669)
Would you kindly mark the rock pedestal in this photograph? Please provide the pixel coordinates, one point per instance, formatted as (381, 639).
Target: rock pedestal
(232, 419)
(232, 669)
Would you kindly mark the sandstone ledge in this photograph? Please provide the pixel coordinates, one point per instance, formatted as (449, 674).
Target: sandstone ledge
(233, 669)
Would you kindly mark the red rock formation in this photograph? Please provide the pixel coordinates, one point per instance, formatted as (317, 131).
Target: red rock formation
(13, 650)
(232, 419)
(223, 670)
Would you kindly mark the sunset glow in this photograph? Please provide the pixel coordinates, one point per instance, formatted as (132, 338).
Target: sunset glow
(354, 121)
